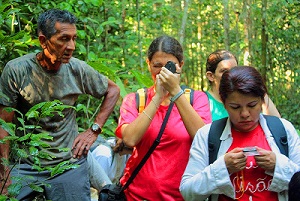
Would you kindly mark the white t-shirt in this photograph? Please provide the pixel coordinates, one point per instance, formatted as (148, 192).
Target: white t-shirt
(112, 163)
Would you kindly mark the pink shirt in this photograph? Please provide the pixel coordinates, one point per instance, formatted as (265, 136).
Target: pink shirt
(160, 177)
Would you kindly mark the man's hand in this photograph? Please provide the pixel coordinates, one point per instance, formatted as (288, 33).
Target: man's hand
(83, 143)
(235, 160)
(121, 148)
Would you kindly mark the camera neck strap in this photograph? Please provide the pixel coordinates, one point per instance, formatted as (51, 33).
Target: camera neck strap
(154, 145)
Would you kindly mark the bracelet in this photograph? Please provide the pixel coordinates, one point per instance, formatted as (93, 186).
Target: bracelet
(147, 115)
(155, 103)
(174, 98)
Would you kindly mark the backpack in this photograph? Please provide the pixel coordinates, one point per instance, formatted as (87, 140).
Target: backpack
(275, 125)
(141, 97)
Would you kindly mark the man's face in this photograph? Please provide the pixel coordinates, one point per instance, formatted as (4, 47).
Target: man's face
(59, 48)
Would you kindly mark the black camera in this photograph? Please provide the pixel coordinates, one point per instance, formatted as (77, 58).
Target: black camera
(171, 66)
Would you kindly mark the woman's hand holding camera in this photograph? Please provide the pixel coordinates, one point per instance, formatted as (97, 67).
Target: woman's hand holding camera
(235, 160)
(170, 81)
(266, 159)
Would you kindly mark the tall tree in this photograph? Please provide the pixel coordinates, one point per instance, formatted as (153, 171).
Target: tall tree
(183, 22)
(247, 31)
(264, 40)
(226, 24)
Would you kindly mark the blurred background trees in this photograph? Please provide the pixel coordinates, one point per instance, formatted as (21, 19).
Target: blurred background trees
(113, 37)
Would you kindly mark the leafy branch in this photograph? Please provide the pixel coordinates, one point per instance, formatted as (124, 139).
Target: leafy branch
(34, 141)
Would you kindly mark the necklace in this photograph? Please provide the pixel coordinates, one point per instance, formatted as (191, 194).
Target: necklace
(240, 183)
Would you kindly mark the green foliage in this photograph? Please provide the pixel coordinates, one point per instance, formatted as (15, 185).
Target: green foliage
(113, 37)
(33, 141)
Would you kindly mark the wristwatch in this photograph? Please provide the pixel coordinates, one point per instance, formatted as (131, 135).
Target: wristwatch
(96, 128)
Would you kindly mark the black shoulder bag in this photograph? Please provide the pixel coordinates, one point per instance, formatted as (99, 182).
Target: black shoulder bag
(115, 192)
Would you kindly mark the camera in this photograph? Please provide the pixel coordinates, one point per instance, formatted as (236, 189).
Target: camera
(250, 151)
(171, 66)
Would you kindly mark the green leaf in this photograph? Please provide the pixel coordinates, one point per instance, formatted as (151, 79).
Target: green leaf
(36, 187)
(5, 161)
(37, 167)
(81, 33)
(64, 149)
(14, 189)
(123, 91)
(81, 107)
(94, 2)
(61, 167)
(142, 78)
(31, 127)
(3, 197)
(40, 136)
(33, 151)
(21, 120)
(24, 138)
(39, 144)
(22, 153)
(9, 138)
(92, 56)
(45, 155)
(8, 127)
(33, 114)
(11, 109)
(35, 108)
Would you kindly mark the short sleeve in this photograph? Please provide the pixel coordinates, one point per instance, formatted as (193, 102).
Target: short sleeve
(201, 106)
(128, 112)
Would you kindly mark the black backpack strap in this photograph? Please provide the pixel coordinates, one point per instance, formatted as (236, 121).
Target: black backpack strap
(151, 149)
(214, 135)
(278, 131)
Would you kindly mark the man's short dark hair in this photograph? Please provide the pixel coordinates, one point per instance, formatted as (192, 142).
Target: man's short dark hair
(47, 20)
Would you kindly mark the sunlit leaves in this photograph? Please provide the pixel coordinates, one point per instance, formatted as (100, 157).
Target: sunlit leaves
(32, 142)
(61, 167)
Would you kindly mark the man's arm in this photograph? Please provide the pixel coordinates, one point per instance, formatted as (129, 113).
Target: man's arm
(4, 148)
(108, 103)
(84, 141)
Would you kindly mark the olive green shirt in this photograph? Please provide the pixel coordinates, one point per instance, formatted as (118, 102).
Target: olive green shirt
(26, 84)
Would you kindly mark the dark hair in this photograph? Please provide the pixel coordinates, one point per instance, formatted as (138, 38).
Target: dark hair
(243, 79)
(216, 57)
(165, 44)
(46, 21)
(294, 185)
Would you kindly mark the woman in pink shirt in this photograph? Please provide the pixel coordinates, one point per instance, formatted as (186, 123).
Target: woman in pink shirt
(160, 177)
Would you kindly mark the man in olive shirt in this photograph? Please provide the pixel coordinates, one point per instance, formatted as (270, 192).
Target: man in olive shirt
(54, 74)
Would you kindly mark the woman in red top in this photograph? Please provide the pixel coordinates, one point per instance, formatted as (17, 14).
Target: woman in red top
(239, 173)
(160, 177)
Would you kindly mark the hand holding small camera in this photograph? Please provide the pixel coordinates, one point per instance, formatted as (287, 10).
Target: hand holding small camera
(171, 66)
(266, 159)
(235, 160)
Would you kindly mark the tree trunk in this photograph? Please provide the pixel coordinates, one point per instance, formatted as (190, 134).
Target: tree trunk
(237, 32)
(139, 34)
(183, 23)
(264, 41)
(226, 25)
(247, 31)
